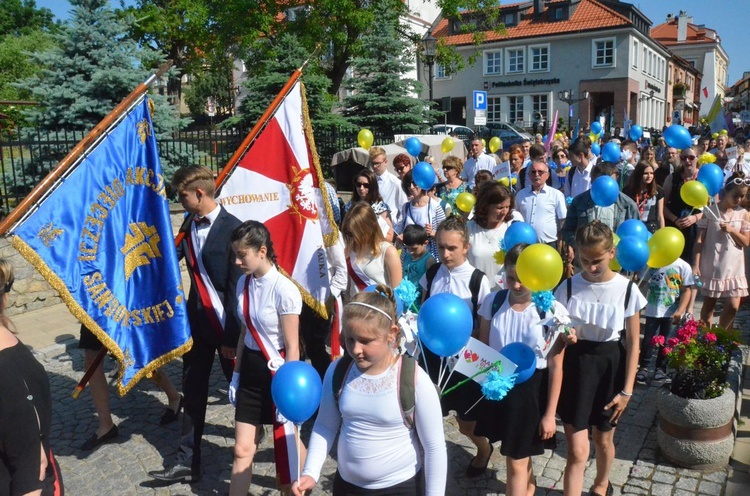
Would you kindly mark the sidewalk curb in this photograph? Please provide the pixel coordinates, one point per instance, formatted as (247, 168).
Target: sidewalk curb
(55, 350)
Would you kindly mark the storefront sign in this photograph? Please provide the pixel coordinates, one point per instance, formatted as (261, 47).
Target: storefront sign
(650, 86)
(525, 82)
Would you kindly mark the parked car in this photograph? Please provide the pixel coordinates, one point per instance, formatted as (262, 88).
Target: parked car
(464, 133)
(508, 133)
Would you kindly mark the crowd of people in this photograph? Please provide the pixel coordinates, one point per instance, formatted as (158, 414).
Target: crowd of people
(382, 403)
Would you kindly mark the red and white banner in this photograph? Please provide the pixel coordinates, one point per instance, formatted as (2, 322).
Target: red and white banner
(278, 182)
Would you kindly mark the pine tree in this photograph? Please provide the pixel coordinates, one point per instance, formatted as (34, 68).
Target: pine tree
(278, 59)
(381, 97)
(93, 68)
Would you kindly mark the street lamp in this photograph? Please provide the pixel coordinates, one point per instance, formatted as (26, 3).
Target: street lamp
(567, 96)
(429, 49)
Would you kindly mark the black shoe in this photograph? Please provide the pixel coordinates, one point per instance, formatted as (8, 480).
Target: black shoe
(472, 471)
(610, 491)
(175, 474)
(94, 442)
(170, 415)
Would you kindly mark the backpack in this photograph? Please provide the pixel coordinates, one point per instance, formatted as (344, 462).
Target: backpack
(571, 173)
(475, 284)
(406, 388)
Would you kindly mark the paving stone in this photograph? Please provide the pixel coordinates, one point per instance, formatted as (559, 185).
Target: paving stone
(708, 487)
(630, 489)
(663, 477)
(687, 483)
(661, 489)
(719, 476)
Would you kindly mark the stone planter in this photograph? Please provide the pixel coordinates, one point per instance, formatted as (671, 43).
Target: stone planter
(698, 434)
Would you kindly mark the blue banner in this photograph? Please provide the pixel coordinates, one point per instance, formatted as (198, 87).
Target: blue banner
(103, 238)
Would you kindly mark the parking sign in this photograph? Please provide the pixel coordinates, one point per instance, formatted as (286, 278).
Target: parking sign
(480, 100)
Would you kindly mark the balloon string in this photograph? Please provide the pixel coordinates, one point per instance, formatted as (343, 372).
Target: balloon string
(442, 370)
(299, 454)
(498, 364)
(421, 351)
(475, 404)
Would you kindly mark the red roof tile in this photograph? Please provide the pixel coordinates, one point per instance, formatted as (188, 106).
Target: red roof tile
(588, 15)
(666, 34)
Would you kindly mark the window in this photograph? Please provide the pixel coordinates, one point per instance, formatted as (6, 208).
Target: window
(603, 52)
(540, 104)
(539, 58)
(493, 109)
(635, 54)
(509, 19)
(559, 13)
(440, 72)
(515, 111)
(493, 62)
(515, 60)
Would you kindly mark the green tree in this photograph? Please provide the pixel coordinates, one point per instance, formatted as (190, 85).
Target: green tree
(22, 17)
(16, 62)
(214, 82)
(380, 95)
(278, 58)
(93, 67)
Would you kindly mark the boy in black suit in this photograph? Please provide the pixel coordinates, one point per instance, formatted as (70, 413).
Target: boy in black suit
(211, 307)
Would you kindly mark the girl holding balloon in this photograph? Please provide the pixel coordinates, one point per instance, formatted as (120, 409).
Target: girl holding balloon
(377, 453)
(456, 275)
(421, 210)
(647, 196)
(723, 234)
(269, 305)
(598, 372)
(525, 419)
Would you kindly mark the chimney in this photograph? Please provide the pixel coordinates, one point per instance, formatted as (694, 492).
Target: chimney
(682, 23)
(538, 7)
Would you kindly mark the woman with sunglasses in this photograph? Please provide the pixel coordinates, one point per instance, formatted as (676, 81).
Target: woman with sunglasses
(453, 185)
(647, 195)
(723, 234)
(677, 213)
(561, 166)
(366, 190)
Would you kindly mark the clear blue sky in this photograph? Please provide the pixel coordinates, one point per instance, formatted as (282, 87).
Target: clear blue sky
(728, 17)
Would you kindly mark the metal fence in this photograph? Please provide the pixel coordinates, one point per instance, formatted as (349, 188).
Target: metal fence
(27, 153)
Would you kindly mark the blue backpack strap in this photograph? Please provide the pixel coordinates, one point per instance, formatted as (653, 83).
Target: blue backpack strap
(498, 300)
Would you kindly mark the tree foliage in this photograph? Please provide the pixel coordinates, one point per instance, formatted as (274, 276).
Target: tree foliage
(16, 62)
(214, 82)
(22, 17)
(381, 97)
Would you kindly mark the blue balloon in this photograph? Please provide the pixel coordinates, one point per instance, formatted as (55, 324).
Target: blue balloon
(444, 324)
(524, 357)
(636, 132)
(611, 152)
(296, 390)
(633, 227)
(712, 178)
(604, 191)
(413, 146)
(632, 253)
(678, 136)
(596, 149)
(519, 232)
(596, 127)
(423, 175)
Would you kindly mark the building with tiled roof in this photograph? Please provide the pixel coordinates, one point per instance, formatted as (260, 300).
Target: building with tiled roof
(700, 46)
(597, 46)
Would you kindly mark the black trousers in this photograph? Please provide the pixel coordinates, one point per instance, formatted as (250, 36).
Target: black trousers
(196, 375)
(315, 332)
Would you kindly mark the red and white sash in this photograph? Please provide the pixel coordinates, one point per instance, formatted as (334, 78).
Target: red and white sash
(360, 279)
(336, 329)
(210, 299)
(284, 440)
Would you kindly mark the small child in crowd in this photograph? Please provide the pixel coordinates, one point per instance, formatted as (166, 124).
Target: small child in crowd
(415, 258)
(669, 291)
(525, 419)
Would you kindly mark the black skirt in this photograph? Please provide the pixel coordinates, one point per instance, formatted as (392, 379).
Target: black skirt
(515, 419)
(593, 373)
(254, 402)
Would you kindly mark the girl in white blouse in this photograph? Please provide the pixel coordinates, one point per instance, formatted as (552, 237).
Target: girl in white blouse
(269, 305)
(377, 453)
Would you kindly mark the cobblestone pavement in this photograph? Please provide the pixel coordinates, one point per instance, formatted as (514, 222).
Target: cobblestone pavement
(121, 468)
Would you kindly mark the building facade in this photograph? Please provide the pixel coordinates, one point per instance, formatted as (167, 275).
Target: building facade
(683, 90)
(701, 47)
(549, 47)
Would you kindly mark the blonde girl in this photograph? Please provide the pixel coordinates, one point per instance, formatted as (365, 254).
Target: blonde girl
(598, 371)
(378, 454)
(269, 305)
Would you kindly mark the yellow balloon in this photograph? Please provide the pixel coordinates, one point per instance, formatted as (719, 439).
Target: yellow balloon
(495, 144)
(614, 265)
(513, 180)
(465, 201)
(447, 145)
(504, 181)
(365, 138)
(723, 132)
(715, 135)
(539, 267)
(665, 246)
(694, 193)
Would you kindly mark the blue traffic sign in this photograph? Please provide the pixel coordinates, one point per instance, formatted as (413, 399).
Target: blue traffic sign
(480, 100)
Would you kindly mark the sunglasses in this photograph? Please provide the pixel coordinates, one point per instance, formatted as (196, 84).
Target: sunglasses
(537, 172)
(363, 185)
(449, 168)
(689, 157)
(739, 181)
(399, 169)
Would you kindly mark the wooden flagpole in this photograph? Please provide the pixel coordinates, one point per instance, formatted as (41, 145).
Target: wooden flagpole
(71, 159)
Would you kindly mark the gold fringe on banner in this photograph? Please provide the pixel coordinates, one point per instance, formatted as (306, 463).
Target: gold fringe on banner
(78, 312)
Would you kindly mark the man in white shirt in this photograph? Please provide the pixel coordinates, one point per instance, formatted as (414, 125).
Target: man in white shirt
(388, 184)
(478, 161)
(579, 178)
(526, 145)
(541, 205)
